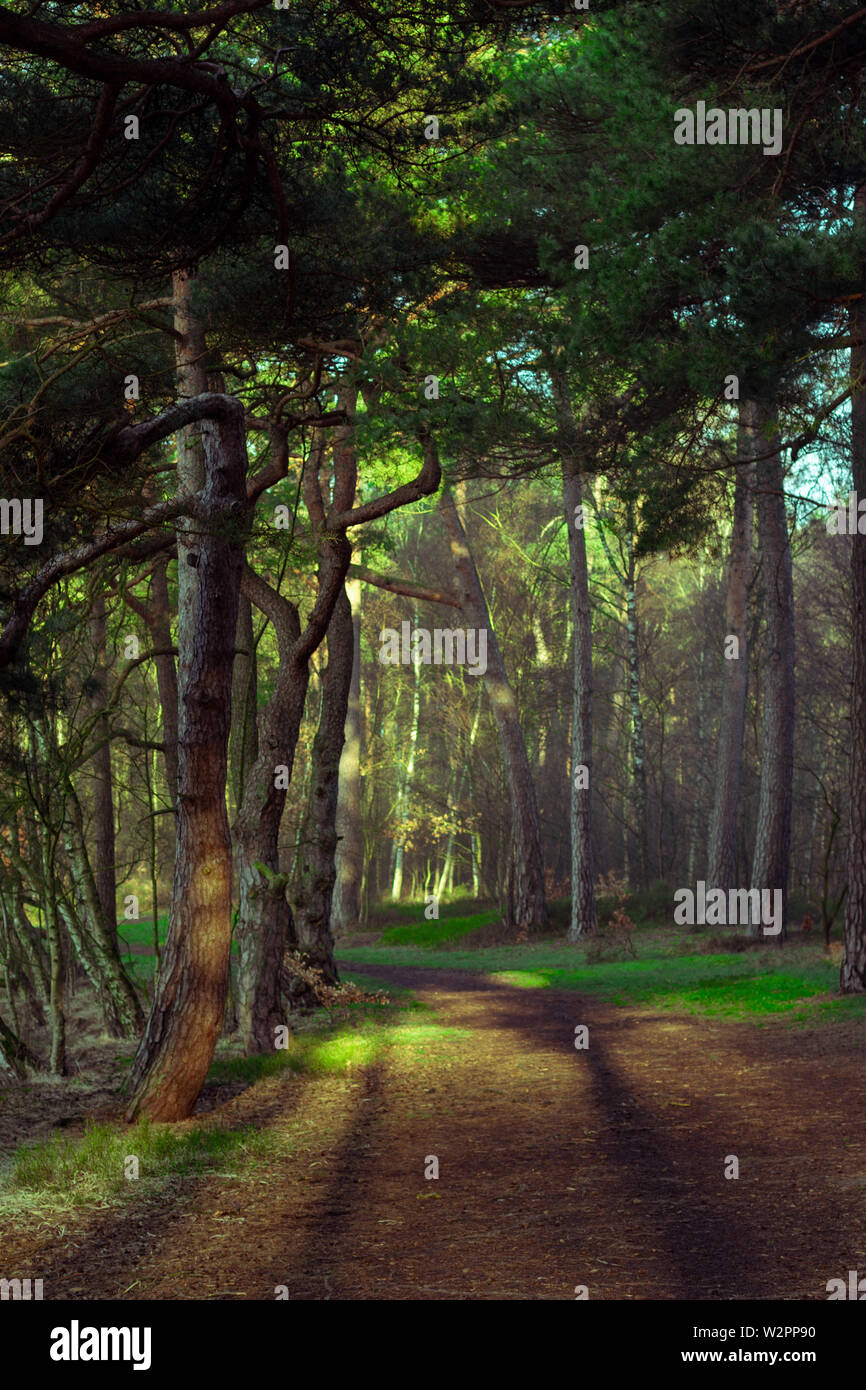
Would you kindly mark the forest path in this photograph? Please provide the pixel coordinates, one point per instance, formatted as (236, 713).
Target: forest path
(602, 1167)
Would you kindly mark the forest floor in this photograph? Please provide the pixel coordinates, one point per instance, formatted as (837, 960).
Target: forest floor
(558, 1168)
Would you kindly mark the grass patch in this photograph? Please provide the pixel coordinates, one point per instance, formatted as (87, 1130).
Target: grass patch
(91, 1170)
(438, 935)
(753, 985)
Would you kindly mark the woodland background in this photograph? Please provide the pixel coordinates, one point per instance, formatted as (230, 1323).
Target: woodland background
(320, 318)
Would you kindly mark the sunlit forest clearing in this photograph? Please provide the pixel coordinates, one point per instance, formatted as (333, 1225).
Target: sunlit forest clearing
(432, 649)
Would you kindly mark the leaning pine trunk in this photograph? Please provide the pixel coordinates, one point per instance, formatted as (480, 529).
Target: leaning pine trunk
(187, 1012)
(771, 864)
(527, 894)
(735, 670)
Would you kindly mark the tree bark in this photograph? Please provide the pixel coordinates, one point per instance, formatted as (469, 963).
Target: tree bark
(99, 951)
(639, 803)
(187, 1012)
(244, 746)
(350, 843)
(771, 863)
(530, 905)
(264, 921)
(406, 772)
(159, 623)
(583, 910)
(313, 890)
(103, 801)
(852, 976)
(735, 672)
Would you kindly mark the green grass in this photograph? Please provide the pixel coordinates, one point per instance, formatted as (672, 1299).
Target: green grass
(66, 1172)
(753, 985)
(72, 1172)
(437, 935)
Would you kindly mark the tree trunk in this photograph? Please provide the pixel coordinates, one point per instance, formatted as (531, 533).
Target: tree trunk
(159, 624)
(314, 887)
(15, 1057)
(771, 864)
(530, 906)
(852, 978)
(407, 771)
(264, 924)
(103, 800)
(350, 845)
(187, 1012)
(583, 911)
(735, 672)
(244, 746)
(639, 804)
(191, 381)
(121, 1008)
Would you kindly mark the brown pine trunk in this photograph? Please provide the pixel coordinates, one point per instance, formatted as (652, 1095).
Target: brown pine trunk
(852, 978)
(771, 864)
(583, 911)
(187, 1012)
(735, 672)
(527, 893)
(313, 890)
(350, 844)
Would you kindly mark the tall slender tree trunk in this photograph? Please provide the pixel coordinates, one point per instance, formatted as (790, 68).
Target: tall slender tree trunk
(529, 901)
(159, 623)
(771, 863)
(407, 771)
(186, 1016)
(191, 376)
(350, 844)
(735, 671)
(103, 798)
(264, 919)
(639, 803)
(244, 744)
(314, 886)
(121, 1007)
(698, 823)
(265, 925)
(852, 978)
(583, 910)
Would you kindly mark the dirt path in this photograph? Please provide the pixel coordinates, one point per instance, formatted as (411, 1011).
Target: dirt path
(558, 1168)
